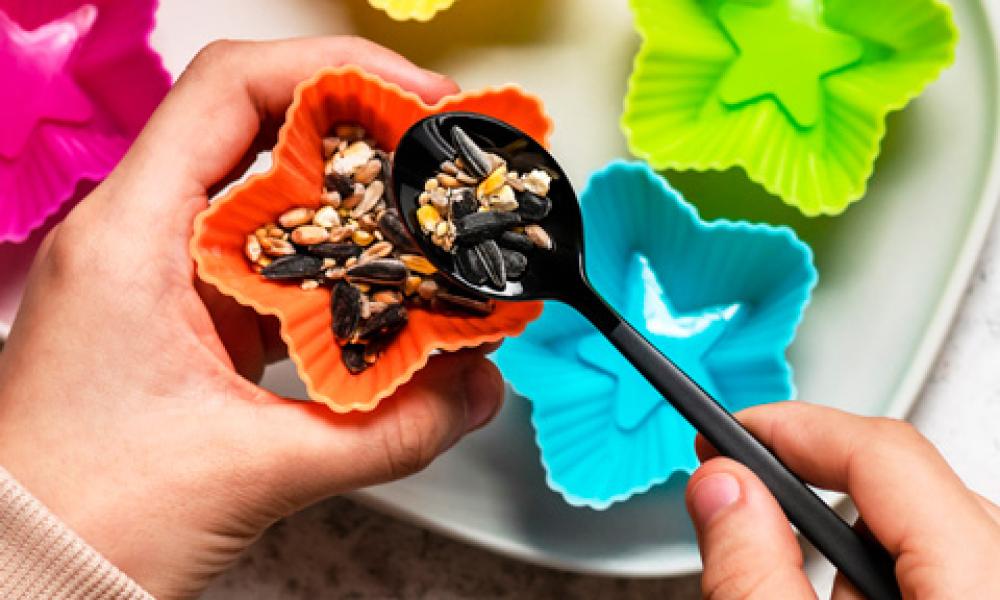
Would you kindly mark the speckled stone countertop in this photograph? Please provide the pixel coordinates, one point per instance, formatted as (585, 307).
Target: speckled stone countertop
(341, 550)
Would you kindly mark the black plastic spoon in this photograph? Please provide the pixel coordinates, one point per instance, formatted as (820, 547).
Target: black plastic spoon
(559, 274)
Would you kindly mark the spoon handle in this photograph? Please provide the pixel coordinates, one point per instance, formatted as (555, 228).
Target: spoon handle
(863, 561)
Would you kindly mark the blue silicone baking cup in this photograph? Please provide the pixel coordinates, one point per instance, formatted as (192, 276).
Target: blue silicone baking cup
(722, 299)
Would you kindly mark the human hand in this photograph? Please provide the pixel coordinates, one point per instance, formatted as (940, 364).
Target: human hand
(120, 404)
(945, 538)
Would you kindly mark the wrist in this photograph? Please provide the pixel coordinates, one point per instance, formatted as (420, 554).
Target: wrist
(40, 554)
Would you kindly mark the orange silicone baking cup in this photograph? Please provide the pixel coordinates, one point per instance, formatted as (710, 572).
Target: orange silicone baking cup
(346, 95)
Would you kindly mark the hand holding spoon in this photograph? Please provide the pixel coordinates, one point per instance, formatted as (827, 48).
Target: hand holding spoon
(559, 274)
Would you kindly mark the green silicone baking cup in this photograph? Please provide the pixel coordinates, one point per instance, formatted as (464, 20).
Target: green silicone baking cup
(795, 92)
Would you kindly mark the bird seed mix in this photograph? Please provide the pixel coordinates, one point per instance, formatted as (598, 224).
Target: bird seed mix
(484, 214)
(357, 247)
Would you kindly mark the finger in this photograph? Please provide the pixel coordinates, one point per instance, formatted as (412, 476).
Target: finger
(991, 509)
(264, 141)
(888, 469)
(747, 547)
(235, 327)
(322, 453)
(208, 121)
(703, 449)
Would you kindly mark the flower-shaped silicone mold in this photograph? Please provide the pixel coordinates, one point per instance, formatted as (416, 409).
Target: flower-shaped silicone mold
(346, 95)
(722, 299)
(79, 81)
(793, 91)
(404, 10)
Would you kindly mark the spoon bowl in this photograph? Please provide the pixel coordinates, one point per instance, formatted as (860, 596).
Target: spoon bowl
(558, 274)
(424, 147)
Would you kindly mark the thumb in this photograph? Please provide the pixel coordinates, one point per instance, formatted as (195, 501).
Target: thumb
(747, 547)
(320, 454)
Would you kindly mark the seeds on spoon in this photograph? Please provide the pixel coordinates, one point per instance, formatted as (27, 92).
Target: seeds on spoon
(514, 262)
(493, 263)
(470, 265)
(532, 207)
(515, 241)
(463, 202)
(483, 203)
(538, 236)
(472, 156)
(486, 224)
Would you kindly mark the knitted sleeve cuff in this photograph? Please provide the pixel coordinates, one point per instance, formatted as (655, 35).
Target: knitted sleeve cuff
(40, 557)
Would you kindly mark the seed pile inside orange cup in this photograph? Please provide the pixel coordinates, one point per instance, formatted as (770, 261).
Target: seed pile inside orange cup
(334, 96)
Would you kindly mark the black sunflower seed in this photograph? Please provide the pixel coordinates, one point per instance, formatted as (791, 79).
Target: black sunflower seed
(479, 226)
(532, 207)
(296, 266)
(451, 299)
(515, 241)
(385, 173)
(515, 263)
(382, 271)
(339, 183)
(341, 251)
(463, 202)
(375, 347)
(470, 266)
(345, 308)
(384, 324)
(392, 228)
(476, 161)
(493, 263)
(353, 356)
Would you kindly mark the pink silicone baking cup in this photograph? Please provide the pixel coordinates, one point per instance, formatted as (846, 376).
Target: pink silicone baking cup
(79, 82)
(346, 95)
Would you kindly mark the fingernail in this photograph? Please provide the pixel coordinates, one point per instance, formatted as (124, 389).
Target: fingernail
(712, 494)
(483, 394)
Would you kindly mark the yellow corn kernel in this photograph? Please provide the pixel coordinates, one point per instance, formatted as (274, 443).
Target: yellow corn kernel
(428, 217)
(362, 237)
(492, 183)
(418, 264)
(412, 283)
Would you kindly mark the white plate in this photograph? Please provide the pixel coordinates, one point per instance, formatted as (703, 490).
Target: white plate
(893, 268)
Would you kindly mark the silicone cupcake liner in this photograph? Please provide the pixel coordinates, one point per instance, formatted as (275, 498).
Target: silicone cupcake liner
(79, 82)
(794, 92)
(404, 10)
(341, 95)
(722, 299)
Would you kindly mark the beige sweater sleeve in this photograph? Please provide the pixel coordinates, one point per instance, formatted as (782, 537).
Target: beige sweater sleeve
(40, 557)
